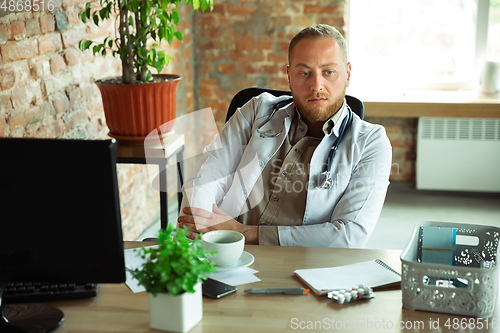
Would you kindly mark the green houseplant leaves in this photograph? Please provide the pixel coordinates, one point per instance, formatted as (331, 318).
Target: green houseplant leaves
(175, 266)
(139, 22)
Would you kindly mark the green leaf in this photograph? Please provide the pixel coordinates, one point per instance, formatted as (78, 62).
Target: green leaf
(179, 35)
(175, 16)
(95, 17)
(82, 17)
(135, 5)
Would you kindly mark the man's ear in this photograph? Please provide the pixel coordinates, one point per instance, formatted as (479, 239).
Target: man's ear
(348, 79)
(288, 75)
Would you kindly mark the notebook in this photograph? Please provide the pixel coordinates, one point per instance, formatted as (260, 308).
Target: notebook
(374, 273)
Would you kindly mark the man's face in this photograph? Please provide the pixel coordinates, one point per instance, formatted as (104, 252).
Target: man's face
(318, 78)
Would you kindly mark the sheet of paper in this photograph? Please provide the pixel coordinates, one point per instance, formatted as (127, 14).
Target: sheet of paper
(236, 277)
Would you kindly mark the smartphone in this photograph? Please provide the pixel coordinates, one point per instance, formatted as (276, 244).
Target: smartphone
(215, 289)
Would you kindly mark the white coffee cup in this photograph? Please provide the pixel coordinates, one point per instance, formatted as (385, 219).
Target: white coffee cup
(229, 245)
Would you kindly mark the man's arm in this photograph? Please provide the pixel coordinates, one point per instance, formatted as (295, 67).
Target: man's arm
(216, 168)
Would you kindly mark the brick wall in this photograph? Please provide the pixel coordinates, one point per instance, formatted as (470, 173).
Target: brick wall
(245, 43)
(47, 90)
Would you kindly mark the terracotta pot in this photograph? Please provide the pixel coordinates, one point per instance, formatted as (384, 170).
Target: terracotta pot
(132, 111)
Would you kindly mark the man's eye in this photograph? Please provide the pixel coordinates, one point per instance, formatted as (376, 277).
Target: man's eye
(304, 73)
(328, 72)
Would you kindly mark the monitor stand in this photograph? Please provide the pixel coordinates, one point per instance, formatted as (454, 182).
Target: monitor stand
(28, 318)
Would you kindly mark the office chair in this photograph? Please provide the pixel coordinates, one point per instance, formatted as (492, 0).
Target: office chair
(245, 95)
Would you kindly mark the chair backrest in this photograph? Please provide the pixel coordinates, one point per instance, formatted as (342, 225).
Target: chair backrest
(245, 95)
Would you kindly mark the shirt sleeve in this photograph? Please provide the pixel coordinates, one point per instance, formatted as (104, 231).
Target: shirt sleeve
(268, 235)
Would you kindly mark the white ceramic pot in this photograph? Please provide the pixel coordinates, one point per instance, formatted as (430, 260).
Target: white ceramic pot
(176, 313)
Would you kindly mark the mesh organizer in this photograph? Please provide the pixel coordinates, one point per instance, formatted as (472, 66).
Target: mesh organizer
(469, 288)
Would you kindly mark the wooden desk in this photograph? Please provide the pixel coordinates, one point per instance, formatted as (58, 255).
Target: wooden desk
(117, 309)
(172, 145)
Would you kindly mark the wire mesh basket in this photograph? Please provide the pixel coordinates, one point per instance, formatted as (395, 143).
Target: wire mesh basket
(468, 287)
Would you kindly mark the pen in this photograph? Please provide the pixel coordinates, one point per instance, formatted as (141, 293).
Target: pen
(288, 291)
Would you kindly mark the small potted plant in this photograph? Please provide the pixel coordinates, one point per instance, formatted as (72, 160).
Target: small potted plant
(172, 274)
(138, 102)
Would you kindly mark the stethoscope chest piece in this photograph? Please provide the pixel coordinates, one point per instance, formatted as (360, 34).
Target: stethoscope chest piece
(325, 180)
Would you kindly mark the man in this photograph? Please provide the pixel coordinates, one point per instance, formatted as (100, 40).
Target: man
(265, 173)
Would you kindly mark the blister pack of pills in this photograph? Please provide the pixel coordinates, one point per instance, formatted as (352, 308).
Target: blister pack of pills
(342, 296)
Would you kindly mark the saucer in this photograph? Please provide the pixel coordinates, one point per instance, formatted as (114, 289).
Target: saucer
(245, 260)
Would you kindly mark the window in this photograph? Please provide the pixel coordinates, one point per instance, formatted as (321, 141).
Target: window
(422, 43)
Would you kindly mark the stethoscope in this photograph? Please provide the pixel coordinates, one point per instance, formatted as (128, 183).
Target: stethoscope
(325, 178)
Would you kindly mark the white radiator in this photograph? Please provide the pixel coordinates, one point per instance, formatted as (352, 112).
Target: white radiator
(458, 154)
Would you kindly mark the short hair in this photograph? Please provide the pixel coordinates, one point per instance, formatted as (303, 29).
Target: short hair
(318, 31)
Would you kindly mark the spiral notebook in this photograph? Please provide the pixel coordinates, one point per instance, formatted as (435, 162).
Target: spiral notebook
(374, 273)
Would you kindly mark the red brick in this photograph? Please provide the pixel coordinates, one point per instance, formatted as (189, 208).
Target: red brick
(33, 115)
(24, 49)
(218, 9)
(72, 57)
(61, 103)
(7, 78)
(56, 64)
(39, 68)
(321, 9)
(72, 37)
(75, 95)
(59, 128)
(28, 94)
(240, 8)
(227, 68)
(70, 3)
(202, 20)
(32, 27)
(73, 19)
(75, 119)
(337, 22)
(244, 45)
(23, 72)
(17, 124)
(50, 43)
(249, 68)
(264, 45)
(4, 33)
(277, 57)
(18, 30)
(47, 24)
(3, 127)
(5, 103)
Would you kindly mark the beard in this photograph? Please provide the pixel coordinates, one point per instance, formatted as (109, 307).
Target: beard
(313, 115)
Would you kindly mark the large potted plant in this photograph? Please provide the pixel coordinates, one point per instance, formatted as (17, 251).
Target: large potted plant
(172, 274)
(138, 102)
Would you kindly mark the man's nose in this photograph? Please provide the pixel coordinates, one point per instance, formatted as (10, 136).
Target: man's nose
(316, 83)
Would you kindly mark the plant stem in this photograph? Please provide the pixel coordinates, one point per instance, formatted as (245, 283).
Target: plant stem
(127, 62)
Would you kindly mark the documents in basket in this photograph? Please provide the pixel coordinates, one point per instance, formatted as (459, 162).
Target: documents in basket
(374, 273)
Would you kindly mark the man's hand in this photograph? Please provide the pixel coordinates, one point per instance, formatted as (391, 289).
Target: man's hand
(199, 220)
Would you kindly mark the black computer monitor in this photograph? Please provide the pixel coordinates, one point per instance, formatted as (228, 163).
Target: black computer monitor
(59, 211)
